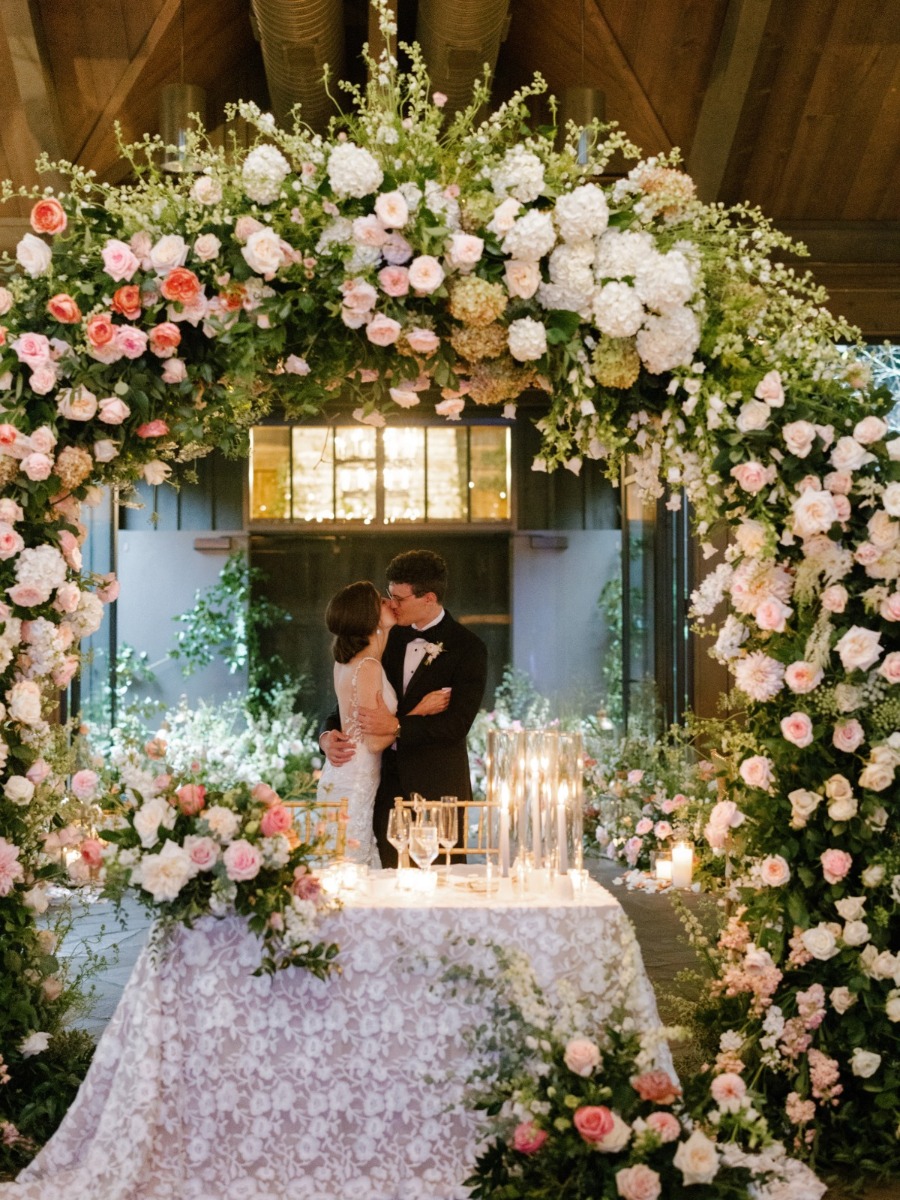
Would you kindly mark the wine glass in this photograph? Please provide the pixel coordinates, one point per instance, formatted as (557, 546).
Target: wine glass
(398, 833)
(448, 829)
(423, 845)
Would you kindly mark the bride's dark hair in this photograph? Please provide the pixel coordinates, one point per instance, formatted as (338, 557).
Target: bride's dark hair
(352, 616)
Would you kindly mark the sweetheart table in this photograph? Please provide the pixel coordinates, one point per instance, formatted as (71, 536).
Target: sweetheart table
(210, 1084)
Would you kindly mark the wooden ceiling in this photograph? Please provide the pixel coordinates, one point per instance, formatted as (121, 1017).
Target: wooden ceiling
(793, 105)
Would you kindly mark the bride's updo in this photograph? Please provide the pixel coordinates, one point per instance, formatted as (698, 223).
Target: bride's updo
(352, 616)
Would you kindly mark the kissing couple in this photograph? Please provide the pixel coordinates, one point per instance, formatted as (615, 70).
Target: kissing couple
(409, 681)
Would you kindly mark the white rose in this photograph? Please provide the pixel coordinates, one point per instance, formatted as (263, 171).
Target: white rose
(856, 933)
(814, 512)
(207, 247)
(206, 190)
(892, 1006)
(697, 1159)
(19, 790)
(155, 472)
(799, 437)
(876, 776)
(169, 252)
(820, 942)
(36, 899)
(392, 210)
(33, 255)
(873, 876)
(35, 1043)
(504, 216)
(843, 809)
(754, 415)
(617, 1138)
(851, 908)
(148, 819)
(870, 429)
(464, 250)
(859, 648)
(803, 804)
(522, 278)
(223, 822)
(425, 273)
(163, 875)
(864, 1063)
(848, 455)
(841, 999)
(263, 252)
(774, 871)
(23, 701)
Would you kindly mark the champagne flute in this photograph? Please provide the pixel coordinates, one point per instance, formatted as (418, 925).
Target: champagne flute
(398, 831)
(448, 830)
(423, 845)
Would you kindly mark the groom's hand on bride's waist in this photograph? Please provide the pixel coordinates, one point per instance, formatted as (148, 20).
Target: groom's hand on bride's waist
(337, 747)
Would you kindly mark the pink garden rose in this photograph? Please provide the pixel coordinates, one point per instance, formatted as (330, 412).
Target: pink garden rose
(802, 677)
(425, 274)
(119, 260)
(643, 826)
(798, 729)
(774, 871)
(203, 852)
(174, 371)
(394, 281)
(264, 794)
(165, 339)
(48, 216)
(37, 467)
(32, 349)
(771, 390)
(92, 853)
(859, 648)
(753, 476)
(657, 1087)
(191, 798)
(834, 598)
(593, 1122)
(242, 861)
(639, 1182)
(113, 410)
(847, 736)
(666, 1126)
(582, 1056)
(835, 865)
(152, 429)
(756, 771)
(306, 886)
(450, 408)
(890, 667)
(63, 308)
(84, 785)
(382, 330)
(528, 1139)
(276, 819)
(422, 341)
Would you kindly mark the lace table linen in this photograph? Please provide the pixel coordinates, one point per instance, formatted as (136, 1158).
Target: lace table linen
(210, 1084)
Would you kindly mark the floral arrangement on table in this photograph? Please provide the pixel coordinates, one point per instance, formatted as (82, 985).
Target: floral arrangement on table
(406, 256)
(190, 847)
(583, 1112)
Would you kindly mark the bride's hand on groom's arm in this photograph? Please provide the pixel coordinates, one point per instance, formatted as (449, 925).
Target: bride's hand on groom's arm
(378, 721)
(431, 704)
(337, 747)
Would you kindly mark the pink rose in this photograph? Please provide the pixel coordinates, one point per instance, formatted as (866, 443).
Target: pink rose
(92, 853)
(66, 671)
(847, 736)
(38, 771)
(33, 349)
(757, 771)
(834, 598)
(132, 342)
(639, 1182)
(264, 794)
(37, 467)
(425, 274)
(593, 1122)
(71, 550)
(394, 280)
(84, 784)
(245, 227)
(657, 1087)
(753, 476)
(113, 410)
(10, 541)
(191, 798)
(382, 330)
(276, 819)
(174, 371)
(582, 1056)
(464, 251)
(109, 590)
(450, 408)
(26, 595)
(802, 677)
(242, 861)
(203, 852)
(643, 826)
(43, 379)
(771, 390)
(528, 1139)
(63, 308)
(152, 429)
(48, 216)
(890, 667)
(404, 397)
(164, 339)
(422, 341)
(835, 865)
(305, 886)
(359, 296)
(798, 729)
(119, 260)
(664, 1125)
(889, 608)
(727, 1087)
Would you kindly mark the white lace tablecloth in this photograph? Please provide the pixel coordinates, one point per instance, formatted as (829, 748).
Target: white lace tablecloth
(209, 1084)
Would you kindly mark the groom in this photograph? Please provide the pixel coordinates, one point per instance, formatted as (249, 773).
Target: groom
(426, 651)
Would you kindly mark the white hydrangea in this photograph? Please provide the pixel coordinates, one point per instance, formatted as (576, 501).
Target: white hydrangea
(531, 237)
(618, 311)
(41, 567)
(520, 174)
(665, 281)
(669, 340)
(442, 205)
(88, 616)
(572, 279)
(527, 339)
(353, 172)
(264, 171)
(622, 253)
(583, 213)
(338, 232)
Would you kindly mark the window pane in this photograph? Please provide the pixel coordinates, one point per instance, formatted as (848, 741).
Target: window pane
(270, 463)
(489, 479)
(447, 474)
(355, 473)
(404, 475)
(313, 474)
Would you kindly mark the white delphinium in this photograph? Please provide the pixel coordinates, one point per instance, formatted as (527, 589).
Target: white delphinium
(264, 171)
(711, 592)
(520, 174)
(353, 172)
(731, 637)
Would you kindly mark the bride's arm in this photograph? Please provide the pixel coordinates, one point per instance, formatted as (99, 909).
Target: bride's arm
(368, 690)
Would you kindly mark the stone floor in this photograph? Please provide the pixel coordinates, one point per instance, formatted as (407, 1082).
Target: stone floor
(97, 932)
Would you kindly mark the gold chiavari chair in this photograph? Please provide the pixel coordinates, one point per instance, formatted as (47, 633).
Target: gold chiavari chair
(481, 830)
(321, 823)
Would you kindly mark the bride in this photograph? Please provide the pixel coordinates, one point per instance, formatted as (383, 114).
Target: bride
(360, 618)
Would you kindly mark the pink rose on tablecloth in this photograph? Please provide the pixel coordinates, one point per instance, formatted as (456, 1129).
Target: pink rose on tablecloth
(848, 735)
(798, 729)
(84, 784)
(528, 1139)
(582, 1056)
(242, 861)
(835, 865)
(666, 1126)
(639, 1182)
(275, 820)
(657, 1087)
(191, 798)
(593, 1122)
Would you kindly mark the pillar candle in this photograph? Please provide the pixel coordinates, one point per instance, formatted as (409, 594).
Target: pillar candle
(504, 830)
(562, 798)
(682, 864)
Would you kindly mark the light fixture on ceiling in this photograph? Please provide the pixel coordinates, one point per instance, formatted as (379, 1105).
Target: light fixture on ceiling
(582, 105)
(177, 103)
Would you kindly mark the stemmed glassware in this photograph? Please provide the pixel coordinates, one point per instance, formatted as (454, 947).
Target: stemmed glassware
(423, 845)
(398, 833)
(448, 829)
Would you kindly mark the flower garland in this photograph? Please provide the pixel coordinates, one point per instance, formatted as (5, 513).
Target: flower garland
(405, 257)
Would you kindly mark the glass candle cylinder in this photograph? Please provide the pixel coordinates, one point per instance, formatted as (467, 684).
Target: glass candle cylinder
(682, 864)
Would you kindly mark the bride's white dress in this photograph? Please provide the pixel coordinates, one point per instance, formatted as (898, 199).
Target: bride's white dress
(357, 779)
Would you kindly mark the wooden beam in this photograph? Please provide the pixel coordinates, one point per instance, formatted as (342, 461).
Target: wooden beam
(33, 81)
(610, 52)
(739, 45)
(91, 152)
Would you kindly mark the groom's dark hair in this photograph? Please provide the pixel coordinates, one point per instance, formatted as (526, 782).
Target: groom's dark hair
(423, 570)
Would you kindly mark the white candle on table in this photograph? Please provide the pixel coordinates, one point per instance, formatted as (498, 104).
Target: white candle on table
(664, 869)
(562, 798)
(682, 864)
(504, 830)
(536, 813)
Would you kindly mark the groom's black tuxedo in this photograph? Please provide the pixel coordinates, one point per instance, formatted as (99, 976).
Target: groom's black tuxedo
(430, 754)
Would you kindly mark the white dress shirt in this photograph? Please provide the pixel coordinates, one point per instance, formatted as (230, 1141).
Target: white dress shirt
(415, 650)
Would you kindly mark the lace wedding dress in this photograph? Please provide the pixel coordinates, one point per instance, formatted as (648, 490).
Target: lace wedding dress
(357, 779)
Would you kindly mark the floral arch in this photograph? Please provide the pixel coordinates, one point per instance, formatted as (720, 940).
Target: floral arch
(409, 260)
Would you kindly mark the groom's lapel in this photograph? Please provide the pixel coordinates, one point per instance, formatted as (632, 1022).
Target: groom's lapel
(418, 678)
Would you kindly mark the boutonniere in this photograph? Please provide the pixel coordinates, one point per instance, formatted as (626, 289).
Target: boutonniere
(432, 650)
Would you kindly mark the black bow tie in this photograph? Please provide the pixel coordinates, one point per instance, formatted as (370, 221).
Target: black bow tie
(405, 634)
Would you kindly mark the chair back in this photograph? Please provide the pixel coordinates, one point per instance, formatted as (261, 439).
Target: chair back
(480, 823)
(322, 823)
